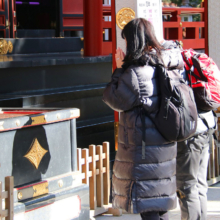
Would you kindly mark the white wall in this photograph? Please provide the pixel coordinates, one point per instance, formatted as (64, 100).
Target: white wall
(214, 30)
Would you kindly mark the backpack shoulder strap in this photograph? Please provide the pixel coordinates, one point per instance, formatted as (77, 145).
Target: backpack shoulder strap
(210, 130)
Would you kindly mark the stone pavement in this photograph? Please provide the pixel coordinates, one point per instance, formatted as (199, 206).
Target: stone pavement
(213, 208)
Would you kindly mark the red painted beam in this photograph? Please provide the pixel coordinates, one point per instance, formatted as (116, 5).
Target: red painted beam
(183, 10)
(192, 43)
(107, 10)
(72, 22)
(107, 24)
(173, 24)
(72, 6)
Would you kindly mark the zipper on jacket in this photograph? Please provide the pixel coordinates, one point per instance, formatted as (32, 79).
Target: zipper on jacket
(143, 133)
(125, 130)
(143, 149)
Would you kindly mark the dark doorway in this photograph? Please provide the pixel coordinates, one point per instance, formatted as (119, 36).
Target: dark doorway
(37, 18)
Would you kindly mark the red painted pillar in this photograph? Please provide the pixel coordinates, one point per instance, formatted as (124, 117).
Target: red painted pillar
(93, 30)
(116, 114)
(113, 34)
(206, 16)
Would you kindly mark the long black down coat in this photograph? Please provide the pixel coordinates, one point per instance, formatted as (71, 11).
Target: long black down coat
(141, 185)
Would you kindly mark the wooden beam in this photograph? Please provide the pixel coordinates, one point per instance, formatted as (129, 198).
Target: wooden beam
(99, 177)
(9, 202)
(1, 200)
(92, 179)
(85, 167)
(106, 177)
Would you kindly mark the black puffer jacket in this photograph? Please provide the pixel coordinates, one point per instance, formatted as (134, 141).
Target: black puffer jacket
(141, 185)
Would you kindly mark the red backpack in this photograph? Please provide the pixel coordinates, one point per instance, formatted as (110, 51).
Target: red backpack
(204, 78)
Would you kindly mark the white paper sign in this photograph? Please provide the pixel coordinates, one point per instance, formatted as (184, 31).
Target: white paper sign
(151, 10)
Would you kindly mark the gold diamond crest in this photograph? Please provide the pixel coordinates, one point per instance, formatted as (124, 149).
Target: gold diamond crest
(36, 153)
(124, 16)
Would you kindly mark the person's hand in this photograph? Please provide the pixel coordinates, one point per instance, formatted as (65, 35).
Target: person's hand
(119, 57)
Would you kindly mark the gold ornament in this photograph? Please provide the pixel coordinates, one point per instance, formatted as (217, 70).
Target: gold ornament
(124, 16)
(20, 195)
(38, 120)
(5, 47)
(10, 46)
(40, 189)
(36, 153)
(60, 183)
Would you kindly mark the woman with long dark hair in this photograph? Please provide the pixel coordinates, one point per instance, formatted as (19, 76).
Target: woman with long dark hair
(144, 172)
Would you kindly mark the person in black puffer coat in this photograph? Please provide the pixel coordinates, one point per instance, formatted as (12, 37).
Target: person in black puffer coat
(144, 177)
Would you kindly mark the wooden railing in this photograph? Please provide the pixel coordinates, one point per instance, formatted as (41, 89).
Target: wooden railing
(107, 25)
(192, 34)
(7, 194)
(93, 163)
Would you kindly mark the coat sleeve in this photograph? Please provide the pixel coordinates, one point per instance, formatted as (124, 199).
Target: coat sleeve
(123, 92)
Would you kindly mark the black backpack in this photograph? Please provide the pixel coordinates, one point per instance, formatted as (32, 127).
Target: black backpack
(176, 118)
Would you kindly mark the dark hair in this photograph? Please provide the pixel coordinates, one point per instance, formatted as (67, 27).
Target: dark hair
(141, 39)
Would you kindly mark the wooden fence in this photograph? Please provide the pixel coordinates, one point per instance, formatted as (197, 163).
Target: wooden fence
(7, 195)
(93, 163)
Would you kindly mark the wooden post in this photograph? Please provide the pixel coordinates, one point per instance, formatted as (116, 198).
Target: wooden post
(99, 177)
(219, 158)
(85, 166)
(212, 158)
(209, 169)
(94, 165)
(92, 179)
(180, 29)
(0, 200)
(216, 160)
(79, 156)
(106, 177)
(9, 201)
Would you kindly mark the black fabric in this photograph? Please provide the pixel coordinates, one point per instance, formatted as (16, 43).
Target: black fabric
(154, 216)
(141, 183)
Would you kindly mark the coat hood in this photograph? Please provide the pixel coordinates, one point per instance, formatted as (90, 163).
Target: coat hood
(169, 58)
